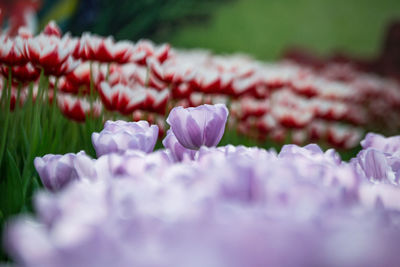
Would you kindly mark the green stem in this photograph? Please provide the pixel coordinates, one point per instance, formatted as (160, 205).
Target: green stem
(4, 91)
(18, 96)
(35, 135)
(7, 117)
(53, 108)
(55, 89)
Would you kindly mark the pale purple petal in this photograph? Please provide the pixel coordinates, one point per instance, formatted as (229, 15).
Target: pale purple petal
(178, 151)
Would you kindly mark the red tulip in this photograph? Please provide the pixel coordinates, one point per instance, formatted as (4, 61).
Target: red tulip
(105, 49)
(22, 73)
(77, 108)
(52, 29)
(122, 98)
(52, 54)
(11, 51)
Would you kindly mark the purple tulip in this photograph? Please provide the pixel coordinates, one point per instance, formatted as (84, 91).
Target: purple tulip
(379, 161)
(235, 151)
(56, 171)
(377, 166)
(381, 143)
(132, 164)
(120, 136)
(311, 151)
(200, 126)
(178, 152)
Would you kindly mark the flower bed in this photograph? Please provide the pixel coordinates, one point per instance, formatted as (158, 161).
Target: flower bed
(194, 204)
(94, 76)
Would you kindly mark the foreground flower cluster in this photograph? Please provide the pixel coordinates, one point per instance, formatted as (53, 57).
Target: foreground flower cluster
(92, 76)
(194, 204)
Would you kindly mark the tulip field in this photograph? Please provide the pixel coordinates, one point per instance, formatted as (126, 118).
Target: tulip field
(114, 153)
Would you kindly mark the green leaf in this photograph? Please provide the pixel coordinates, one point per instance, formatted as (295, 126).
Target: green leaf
(33, 186)
(11, 196)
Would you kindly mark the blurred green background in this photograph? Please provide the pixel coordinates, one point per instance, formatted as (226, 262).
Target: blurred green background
(262, 28)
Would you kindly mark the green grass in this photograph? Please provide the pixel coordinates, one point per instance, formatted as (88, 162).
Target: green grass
(264, 28)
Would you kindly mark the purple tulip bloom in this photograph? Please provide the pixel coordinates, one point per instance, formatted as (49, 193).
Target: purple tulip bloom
(56, 171)
(200, 126)
(236, 151)
(378, 167)
(311, 151)
(381, 143)
(379, 161)
(120, 136)
(132, 164)
(178, 151)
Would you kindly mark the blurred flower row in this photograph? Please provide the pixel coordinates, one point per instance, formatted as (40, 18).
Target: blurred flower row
(194, 204)
(97, 76)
